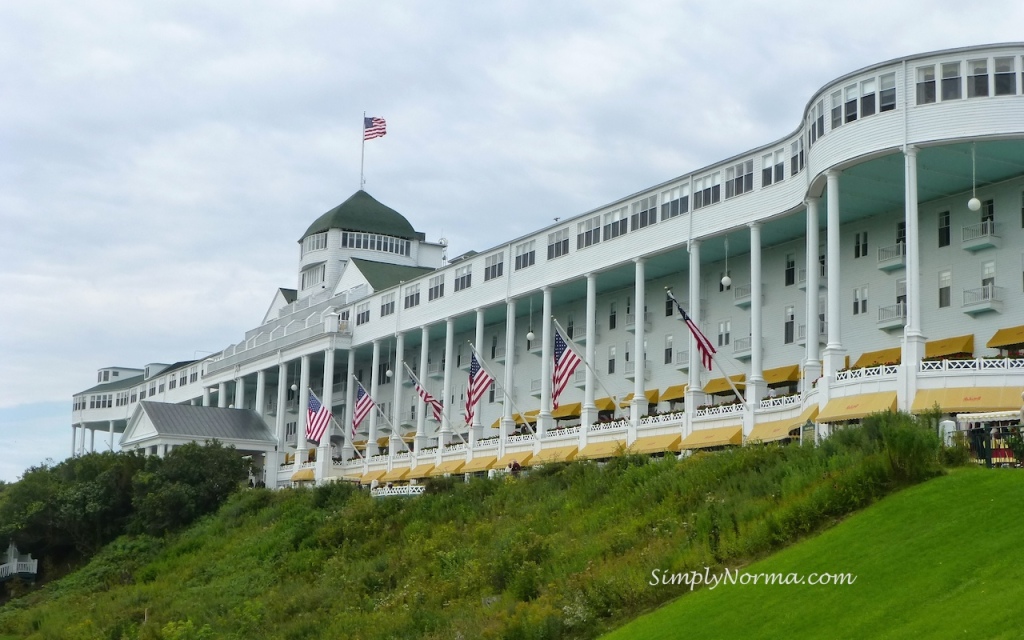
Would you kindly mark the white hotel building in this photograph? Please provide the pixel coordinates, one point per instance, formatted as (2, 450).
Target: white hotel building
(876, 259)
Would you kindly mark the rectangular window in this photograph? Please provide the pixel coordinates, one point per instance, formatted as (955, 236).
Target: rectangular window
(951, 82)
(988, 214)
(977, 82)
(313, 276)
(867, 98)
(436, 289)
(789, 324)
(860, 246)
(926, 84)
(363, 313)
(860, 300)
(739, 178)
(988, 273)
(901, 233)
(707, 190)
(675, 202)
(611, 359)
(314, 242)
(837, 109)
(526, 255)
(669, 309)
(790, 269)
(818, 113)
(887, 92)
(1006, 77)
(615, 223)
(645, 212)
(558, 244)
(387, 304)
(611, 316)
(463, 277)
(773, 167)
(493, 266)
(850, 106)
(945, 286)
(796, 157)
(669, 354)
(588, 232)
(724, 329)
(944, 229)
(412, 296)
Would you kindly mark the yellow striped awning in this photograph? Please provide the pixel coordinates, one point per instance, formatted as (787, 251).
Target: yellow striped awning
(968, 399)
(383, 441)
(780, 375)
(598, 450)
(449, 466)
(303, 475)
(675, 392)
(949, 346)
(370, 476)
(1007, 337)
(359, 444)
(719, 386)
(395, 474)
(482, 463)
(650, 394)
(605, 404)
(717, 437)
(522, 457)
(656, 444)
(571, 410)
(554, 454)
(856, 407)
(779, 429)
(530, 417)
(882, 356)
(420, 471)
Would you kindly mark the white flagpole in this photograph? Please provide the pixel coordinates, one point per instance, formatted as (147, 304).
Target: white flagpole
(504, 391)
(362, 151)
(572, 345)
(741, 397)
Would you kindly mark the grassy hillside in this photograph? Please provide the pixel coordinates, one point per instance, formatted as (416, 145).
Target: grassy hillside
(565, 552)
(939, 560)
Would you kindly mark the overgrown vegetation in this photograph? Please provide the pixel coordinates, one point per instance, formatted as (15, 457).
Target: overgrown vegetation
(564, 552)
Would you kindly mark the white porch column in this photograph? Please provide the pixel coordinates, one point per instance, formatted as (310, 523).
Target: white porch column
(371, 439)
(261, 392)
(589, 414)
(639, 405)
(300, 426)
(544, 421)
(74, 439)
(834, 351)
(812, 350)
(478, 424)
(421, 407)
(239, 402)
(449, 367)
(222, 395)
(694, 388)
(323, 450)
(276, 458)
(913, 343)
(347, 450)
(81, 443)
(755, 385)
(92, 441)
(397, 376)
(110, 435)
(206, 396)
(507, 425)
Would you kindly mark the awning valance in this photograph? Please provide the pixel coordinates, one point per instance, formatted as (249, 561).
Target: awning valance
(968, 399)
(303, 475)
(656, 444)
(1007, 337)
(522, 457)
(673, 393)
(395, 474)
(449, 466)
(555, 454)
(856, 407)
(650, 394)
(779, 429)
(949, 346)
(876, 358)
(482, 463)
(420, 471)
(718, 386)
(717, 437)
(605, 404)
(781, 375)
(571, 410)
(598, 450)
(370, 476)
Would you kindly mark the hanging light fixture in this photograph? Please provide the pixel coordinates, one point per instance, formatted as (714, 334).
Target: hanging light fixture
(529, 333)
(726, 280)
(973, 204)
(389, 372)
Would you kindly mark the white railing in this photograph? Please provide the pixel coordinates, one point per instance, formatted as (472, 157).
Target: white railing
(566, 431)
(801, 274)
(867, 372)
(11, 568)
(896, 311)
(580, 376)
(663, 419)
(801, 330)
(535, 385)
(778, 403)
(742, 291)
(988, 293)
(631, 319)
(631, 368)
(404, 490)
(974, 364)
(577, 331)
(683, 358)
(435, 369)
(399, 457)
(981, 230)
(720, 410)
(488, 443)
(238, 353)
(429, 451)
(454, 447)
(892, 252)
(527, 437)
(614, 425)
(380, 457)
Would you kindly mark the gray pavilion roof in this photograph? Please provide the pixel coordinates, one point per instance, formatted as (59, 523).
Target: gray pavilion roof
(206, 422)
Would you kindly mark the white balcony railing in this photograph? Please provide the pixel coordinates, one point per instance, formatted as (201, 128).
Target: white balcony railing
(893, 312)
(981, 295)
(974, 364)
(781, 403)
(984, 229)
(866, 373)
(719, 410)
(892, 252)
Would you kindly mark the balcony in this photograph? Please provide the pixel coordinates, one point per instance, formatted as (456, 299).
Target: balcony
(535, 387)
(631, 370)
(499, 355)
(892, 317)
(435, 370)
(801, 278)
(577, 332)
(742, 348)
(893, 257)
(682, 361)
(984, 299)
(631, 322)
(977, 237)
(801, 333)
(579, 377)
(741, 295)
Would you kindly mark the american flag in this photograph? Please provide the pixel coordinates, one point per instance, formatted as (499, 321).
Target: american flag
(431, 401)
(373, 128)
(479, 382)
(317, 418)
(364, 404)
(566, 362)
(704, 345)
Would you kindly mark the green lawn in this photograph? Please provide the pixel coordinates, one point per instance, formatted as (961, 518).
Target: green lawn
(939, 560)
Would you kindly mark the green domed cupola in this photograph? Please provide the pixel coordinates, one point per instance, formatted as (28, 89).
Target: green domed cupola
(362, 212)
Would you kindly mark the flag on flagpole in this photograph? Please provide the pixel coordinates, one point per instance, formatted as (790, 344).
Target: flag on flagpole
(566, 361)
(374, 128)
(479, 382)
(318, 416)
(704, 346)
(431, 401)
(364, 404)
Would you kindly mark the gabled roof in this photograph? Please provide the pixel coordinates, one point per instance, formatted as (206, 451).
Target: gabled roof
(205, 423)
(382, 275)
(361, 212)
(116, 385)
(289, 295)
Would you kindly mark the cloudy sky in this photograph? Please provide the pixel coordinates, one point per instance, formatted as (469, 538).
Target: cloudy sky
(159, 161)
